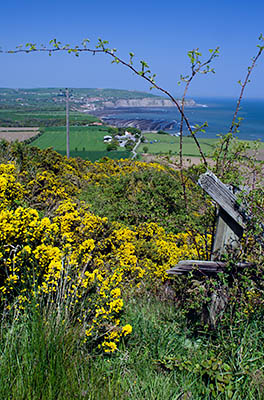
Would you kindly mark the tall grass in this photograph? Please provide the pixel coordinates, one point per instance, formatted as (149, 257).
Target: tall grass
(38, 358)
(44, 358)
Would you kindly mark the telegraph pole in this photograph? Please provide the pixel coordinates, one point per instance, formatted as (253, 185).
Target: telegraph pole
(67, 124)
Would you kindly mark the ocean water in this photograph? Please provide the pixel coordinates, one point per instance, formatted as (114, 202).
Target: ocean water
(218, 114)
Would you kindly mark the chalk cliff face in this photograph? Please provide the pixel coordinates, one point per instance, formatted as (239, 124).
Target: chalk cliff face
(145, 102)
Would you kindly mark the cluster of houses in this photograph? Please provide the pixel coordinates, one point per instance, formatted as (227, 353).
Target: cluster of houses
(122, 139)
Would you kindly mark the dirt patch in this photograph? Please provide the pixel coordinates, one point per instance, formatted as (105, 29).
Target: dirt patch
(259, 154)
(251, 177)
(174, 162)
(20, 134)
(192, 160)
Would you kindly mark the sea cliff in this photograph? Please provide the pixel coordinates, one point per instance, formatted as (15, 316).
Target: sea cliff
(145, 102)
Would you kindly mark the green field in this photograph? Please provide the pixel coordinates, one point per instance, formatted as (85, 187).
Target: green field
(85, 142)
(10, 117)
(171, 145)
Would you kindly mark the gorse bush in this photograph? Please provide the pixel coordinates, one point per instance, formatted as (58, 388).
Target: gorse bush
(77, 259)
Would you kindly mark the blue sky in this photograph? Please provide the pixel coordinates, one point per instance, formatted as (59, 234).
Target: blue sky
(160, 32)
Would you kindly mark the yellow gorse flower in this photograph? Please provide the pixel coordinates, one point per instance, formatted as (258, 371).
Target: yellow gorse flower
(127, 329)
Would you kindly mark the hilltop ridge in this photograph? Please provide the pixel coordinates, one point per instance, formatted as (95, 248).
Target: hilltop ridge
(82, 99)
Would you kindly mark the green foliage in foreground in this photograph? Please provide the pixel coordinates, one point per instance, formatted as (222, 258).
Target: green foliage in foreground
(143, 196)
(43, 359)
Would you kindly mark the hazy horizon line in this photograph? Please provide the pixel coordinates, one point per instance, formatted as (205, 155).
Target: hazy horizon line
(133, 90)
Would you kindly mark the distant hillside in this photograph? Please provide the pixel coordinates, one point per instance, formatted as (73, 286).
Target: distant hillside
(113, 93)
(52, 98)
(82, 99)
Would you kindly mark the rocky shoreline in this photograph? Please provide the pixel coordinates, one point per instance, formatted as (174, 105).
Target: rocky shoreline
(142, 124)
(115, 116)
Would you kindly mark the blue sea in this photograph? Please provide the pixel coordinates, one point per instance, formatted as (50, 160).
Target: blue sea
(218, 113)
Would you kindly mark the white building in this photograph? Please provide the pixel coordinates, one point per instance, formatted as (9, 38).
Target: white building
(107, 139)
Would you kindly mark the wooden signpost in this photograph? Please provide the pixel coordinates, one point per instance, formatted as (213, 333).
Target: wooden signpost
(230, 225)
(231, 217)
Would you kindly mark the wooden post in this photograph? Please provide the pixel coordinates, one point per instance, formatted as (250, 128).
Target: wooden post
(231, 217)
(227, 236)
(231, 221)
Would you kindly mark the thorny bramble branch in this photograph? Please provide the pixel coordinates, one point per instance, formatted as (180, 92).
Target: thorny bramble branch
(145, 73)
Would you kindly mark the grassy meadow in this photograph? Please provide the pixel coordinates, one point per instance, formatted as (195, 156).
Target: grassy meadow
(162, 360)
(167, 144)
(85, 142)
(170, 144)
(40, 118)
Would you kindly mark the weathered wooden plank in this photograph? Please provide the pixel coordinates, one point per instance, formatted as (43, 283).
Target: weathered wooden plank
(206, 267)
(223, 197)
(227, 236)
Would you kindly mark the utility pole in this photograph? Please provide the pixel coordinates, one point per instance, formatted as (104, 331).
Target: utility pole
(67, 124)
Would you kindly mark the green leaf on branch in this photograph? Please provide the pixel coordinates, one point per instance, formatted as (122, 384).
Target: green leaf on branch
(131, 55)
(116, 60)
(152, 78)
(144, 65)
(84, 42)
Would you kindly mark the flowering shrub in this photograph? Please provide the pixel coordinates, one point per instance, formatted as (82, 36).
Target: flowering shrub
(49, 177)
(79, 259)
(55, 251)
(10, 190)
(99, 171)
